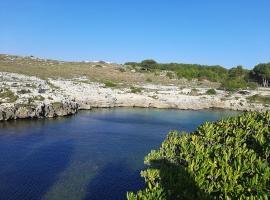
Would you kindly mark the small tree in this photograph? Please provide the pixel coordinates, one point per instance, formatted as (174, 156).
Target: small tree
(148, 64)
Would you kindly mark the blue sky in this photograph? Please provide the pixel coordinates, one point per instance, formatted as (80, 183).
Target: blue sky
(228, 32)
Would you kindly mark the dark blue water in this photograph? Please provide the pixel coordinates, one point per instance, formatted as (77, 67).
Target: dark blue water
(92, 155)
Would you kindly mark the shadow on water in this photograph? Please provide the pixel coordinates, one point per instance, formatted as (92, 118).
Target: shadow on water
(113, 181)
(32, 176)
(35, 122)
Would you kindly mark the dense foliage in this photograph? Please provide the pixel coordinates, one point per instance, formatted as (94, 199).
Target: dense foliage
(211, 92)
(231, 79)
(189, 71)
(228, 159)
(261, 73)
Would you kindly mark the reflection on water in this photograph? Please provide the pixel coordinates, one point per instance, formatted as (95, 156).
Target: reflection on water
(93, 155)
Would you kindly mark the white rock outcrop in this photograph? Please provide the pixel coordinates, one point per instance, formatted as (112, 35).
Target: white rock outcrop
(30, 97)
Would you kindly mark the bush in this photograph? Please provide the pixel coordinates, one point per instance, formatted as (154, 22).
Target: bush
(149, 80)
(98, 66)
(234, 84)
(227, 159)
(121, 69)
(23, 91)
(211, 92)
(169, 75)
(110, 84)
(6, 93)
(135, 90)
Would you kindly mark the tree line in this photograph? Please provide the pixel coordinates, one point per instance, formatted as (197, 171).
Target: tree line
(230, 79)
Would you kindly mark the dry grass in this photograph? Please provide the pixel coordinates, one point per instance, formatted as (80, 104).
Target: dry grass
(105, 72)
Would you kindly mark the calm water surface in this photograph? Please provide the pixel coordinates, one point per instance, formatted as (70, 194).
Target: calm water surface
(92, 155)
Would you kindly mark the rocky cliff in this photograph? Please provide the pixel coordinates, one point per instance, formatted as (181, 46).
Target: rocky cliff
(18, 111)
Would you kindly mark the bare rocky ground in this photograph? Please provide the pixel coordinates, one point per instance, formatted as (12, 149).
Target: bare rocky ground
(24, 96)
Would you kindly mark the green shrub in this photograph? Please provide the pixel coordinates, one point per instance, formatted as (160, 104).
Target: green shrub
(148, 64)
(6, 93)
(110, 84)
(211, 92)
(98, 66)
(149, 80)
(121, 69)
(227, 159)
(135, 90)
(169, 75)
(237, 84)
(24, 91)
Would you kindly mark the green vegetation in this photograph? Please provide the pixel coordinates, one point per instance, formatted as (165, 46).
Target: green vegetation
(259, 99)
(261, 73)
(24, 91)
(238, 78)
(234, 84)
(188, 71)
(169, 75)
(6, 93)
(98, 66)
(211, 92)
(38, 98)
(227, 159)
(149, 80)
(233, 79)
(122, 69)
(110, 84)
(135, 89)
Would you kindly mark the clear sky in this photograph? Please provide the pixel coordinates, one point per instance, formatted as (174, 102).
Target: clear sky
(225, 32)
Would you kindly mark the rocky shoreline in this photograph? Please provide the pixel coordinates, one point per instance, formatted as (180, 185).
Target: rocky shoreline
(13, 111)
(30, 97)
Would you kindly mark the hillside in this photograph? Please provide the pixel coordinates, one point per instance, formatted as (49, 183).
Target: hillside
(94, 71)
(34, 88)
